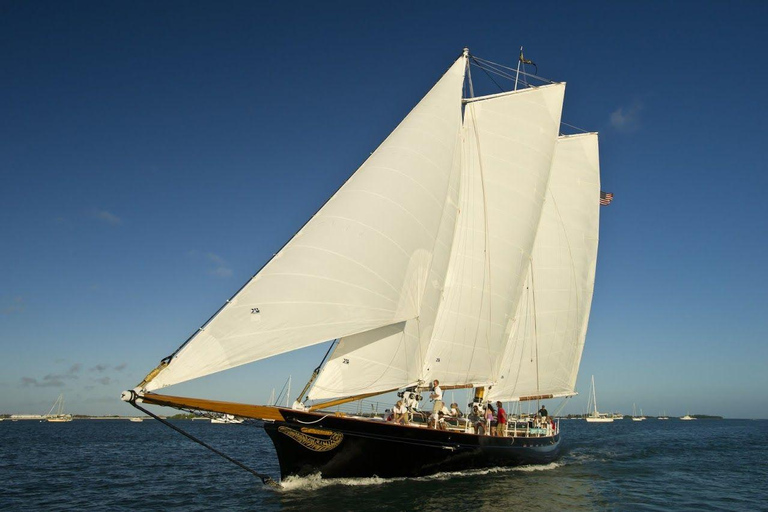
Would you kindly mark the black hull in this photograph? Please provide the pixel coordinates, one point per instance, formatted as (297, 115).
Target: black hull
(339, 447)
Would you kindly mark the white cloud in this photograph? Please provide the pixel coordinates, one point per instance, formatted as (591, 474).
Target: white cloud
(222, 271)
(107, 217)
(626, 119)
(220, 268)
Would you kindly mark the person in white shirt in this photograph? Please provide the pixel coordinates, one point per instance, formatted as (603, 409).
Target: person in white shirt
(401, 413)
(437, 397)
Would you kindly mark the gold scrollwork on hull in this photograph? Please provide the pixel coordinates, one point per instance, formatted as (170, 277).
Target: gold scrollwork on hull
(314, 443)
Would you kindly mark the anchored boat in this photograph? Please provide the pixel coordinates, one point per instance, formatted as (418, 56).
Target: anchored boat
(462, 251)
(595, 416)
(59, 416)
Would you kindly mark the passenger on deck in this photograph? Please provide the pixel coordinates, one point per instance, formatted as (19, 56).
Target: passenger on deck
(476, 417)
(543, 412)
(401, 413)
(455, 411)
(441, 424)
(437, 397)
(501, 420)
(489, 419)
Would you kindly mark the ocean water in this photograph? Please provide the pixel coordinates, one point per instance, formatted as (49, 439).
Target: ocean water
(625, 465)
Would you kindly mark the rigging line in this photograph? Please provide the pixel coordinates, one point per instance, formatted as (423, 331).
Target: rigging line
(280, 396)
(488, 63)
(487, 68)
(574, 127)
(503, 74)
(265, 479)
(489, 76)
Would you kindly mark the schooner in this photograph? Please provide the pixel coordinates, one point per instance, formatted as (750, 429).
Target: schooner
(462, 250)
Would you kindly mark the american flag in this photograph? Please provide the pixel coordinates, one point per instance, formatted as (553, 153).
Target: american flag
(606, 198)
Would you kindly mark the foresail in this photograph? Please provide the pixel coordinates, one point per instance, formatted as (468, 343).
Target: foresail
(508, 144)
(545, 347)
(361, 263)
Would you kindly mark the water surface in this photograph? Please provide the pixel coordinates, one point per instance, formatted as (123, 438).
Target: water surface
(625, 465)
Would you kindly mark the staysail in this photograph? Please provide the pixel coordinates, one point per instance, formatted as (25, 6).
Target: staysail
(359, 266)
(544, 350)
(508, 145)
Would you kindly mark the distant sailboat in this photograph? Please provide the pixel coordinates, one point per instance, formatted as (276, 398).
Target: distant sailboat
(663, 416)
(137, 419)
(687, 417)
(635, 417)
(594, 416)
(226, 418)
(59, 417)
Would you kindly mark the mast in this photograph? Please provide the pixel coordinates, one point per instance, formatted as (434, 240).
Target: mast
(288, 393)
(517, 73)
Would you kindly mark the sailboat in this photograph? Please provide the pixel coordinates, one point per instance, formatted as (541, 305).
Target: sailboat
(59, 417)
(594, 416)
(463, 251)
(635, 417)
(687, 417)
(663, 416)
(226, 419)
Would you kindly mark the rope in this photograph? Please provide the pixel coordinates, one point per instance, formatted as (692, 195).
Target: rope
(488, 66)
(265, 479)
(312, 422)
(489, 75)
(497, 65)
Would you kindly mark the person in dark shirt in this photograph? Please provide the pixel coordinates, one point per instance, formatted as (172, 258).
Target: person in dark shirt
(543, 412)
(501, 420)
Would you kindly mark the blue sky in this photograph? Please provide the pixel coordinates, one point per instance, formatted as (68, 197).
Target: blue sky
(154, 155)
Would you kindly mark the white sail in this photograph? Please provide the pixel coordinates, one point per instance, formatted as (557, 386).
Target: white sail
(544, 350)
(361, 263)
(392, 356)
(508, 145)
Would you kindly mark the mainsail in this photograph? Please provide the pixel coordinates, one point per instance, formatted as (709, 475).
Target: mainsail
(544, 350)
(359, 265)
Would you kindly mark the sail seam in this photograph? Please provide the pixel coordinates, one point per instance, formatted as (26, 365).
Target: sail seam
(347, 258)
(411, 179)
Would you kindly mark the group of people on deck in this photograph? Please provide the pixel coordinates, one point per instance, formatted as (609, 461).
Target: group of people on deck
(486, 420)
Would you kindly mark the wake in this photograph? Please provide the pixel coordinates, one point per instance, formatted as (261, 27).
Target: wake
(314, 482)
